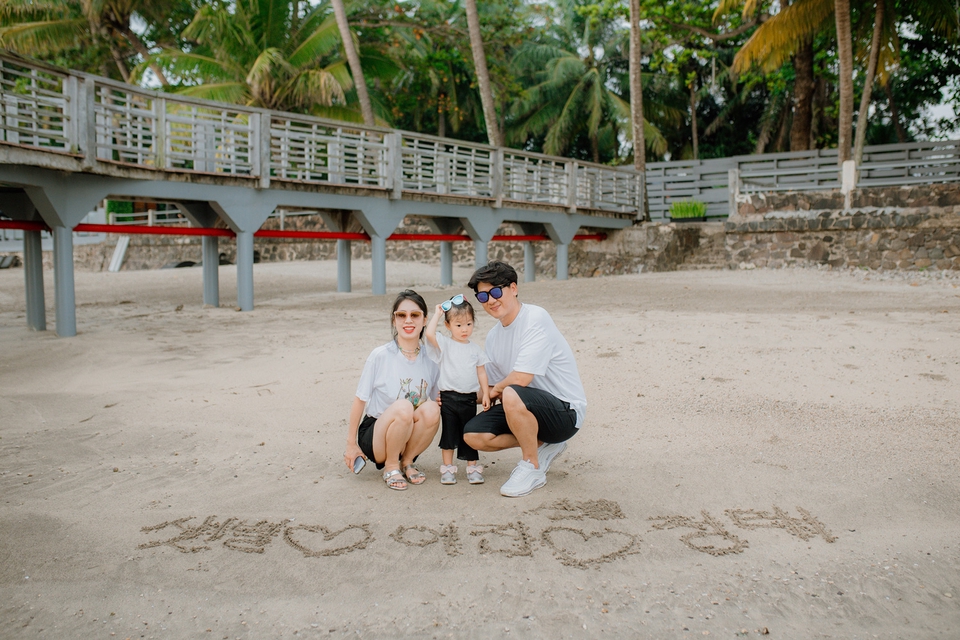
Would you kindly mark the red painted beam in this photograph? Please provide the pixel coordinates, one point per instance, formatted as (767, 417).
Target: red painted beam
(311, 235)
(132, 229)
(23, 225)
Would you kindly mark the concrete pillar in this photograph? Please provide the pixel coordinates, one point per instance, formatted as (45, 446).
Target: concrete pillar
(529, 263)
(563, 269)
(343, 266)
(378, 254)
(211, 271)
(480, 248)
(33, 274)
(245, 270)
(63, 286)
(446, 263)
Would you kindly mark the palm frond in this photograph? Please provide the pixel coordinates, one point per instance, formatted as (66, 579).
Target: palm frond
(44, 37)
(314, 87)
(777, 39)
(322, 41)
(232, 92)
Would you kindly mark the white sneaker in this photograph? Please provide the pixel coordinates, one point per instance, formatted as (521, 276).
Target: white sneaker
(547, 452)
(524, 479)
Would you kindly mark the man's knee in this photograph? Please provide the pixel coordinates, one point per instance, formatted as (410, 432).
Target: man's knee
(475, 440)
(512, 401)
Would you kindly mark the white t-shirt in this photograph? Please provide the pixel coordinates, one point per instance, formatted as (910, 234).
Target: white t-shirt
(458, 364)
(388, 376)
(533, 344)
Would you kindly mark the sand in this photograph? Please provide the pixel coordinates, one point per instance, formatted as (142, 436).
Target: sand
(764, 452)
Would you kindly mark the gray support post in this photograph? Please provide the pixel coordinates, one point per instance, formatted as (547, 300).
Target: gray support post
(211, 271)
(733, 191)
(378, 254)
(63, 287)
(446, 263)
(245, 270)
(343, 266)
(33, 274)
(563, 269)
(529, 263)
(480, 248)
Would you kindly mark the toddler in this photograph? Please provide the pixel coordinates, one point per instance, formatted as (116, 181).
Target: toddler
(462, 376)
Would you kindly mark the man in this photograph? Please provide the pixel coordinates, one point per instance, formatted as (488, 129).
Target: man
(533, 372)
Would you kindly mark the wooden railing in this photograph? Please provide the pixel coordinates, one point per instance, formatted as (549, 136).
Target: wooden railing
(103, 121)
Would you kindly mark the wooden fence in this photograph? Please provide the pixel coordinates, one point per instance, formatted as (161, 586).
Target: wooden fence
(105, 122)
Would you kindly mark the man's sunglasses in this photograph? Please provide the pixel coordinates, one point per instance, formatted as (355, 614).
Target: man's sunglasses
(449, 304)
(496, 293)
(402, 315)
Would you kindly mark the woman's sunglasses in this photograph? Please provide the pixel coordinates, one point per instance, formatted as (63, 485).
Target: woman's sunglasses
(449, 304)
(402, 315)
(496, 293)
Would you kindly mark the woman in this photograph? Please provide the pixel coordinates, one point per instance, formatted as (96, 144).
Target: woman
(394, 417)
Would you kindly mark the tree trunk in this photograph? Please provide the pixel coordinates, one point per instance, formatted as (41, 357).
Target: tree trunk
(636, 107)
(845, 51)
(693, 123)
(483, 75)
(895, 113)
(141, 48)
(353, 59)
(868, 83)
(803, 89)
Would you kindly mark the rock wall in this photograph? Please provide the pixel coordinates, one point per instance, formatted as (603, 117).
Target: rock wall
(915, 227)
(652, 247)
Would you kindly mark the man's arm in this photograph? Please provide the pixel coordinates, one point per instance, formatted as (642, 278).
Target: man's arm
(515, 377)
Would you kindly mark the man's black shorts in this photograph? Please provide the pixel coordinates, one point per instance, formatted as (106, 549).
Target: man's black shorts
(556, 420)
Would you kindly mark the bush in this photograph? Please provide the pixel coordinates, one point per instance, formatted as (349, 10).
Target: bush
(688, 209)
(118, 211)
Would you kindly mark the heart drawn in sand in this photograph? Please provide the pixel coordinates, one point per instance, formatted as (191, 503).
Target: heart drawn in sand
(311, 539)
(583, 549)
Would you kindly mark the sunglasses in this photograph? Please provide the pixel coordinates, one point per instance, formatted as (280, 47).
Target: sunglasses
(403, 315)
(496, 293)
(449, 304)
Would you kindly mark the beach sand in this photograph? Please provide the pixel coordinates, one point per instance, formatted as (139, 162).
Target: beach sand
(764, 452)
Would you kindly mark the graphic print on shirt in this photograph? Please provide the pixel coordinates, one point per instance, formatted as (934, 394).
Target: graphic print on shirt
(415, 396)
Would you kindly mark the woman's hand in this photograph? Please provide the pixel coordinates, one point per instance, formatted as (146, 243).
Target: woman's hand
(352, 453)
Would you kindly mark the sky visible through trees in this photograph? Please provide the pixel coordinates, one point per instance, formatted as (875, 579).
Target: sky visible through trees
(718, 78)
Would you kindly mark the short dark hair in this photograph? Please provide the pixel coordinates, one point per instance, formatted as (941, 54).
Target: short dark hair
(496, 273)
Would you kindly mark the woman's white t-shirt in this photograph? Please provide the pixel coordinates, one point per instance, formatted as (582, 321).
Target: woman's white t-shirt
(533, 344)
(458, 364)
(388, 376)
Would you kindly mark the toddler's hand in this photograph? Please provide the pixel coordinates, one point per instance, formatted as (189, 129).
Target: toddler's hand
(486, 402)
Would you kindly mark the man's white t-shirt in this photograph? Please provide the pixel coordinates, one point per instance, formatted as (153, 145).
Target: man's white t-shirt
(458, 364)
(533, 344)
(388, 376)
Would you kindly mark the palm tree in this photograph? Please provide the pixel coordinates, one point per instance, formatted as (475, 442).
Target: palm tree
(845, 55)
(47, 28)
(354, 60)
(636, 107)
(569, 92)
(483, 75)
(260, 53)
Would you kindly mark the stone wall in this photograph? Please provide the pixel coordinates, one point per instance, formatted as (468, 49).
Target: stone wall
(915, 227)
(652, 247)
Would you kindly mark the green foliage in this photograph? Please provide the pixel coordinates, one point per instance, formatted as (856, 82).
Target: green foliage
(118, 211)
(687, 209)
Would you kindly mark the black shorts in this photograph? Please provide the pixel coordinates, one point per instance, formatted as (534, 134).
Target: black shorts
(365, 438)
(556, 421)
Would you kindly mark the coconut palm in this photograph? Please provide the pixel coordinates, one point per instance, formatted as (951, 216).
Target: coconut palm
(636, 107)
(483, 75)
(354, 60)
(569, 92)
(260, 53)
(49, 29)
